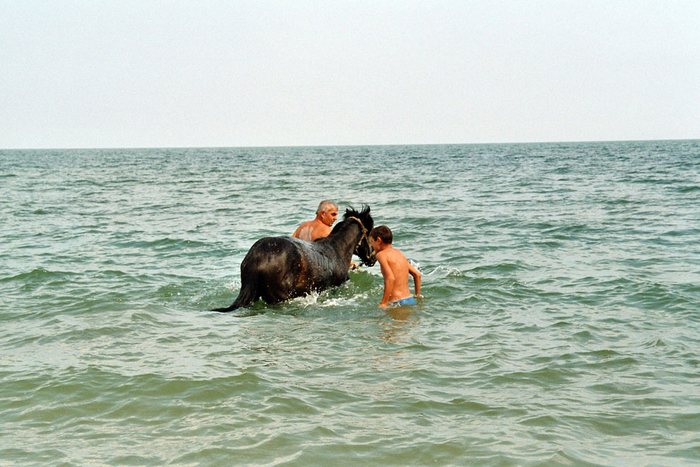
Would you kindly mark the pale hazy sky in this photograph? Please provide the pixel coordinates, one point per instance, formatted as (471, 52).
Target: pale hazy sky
(170, 73)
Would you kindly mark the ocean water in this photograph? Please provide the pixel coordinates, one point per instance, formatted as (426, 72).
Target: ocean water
(560, 324)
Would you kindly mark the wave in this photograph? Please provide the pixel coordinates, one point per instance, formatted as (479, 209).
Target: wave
(440, 272)
(688, 189)
(163, 244)
(657, 296)
(499, 268)
(40, 275)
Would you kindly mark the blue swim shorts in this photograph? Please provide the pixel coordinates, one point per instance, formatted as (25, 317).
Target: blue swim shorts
(404, 301)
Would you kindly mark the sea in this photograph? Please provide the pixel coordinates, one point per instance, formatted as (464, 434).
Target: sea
(559, 324)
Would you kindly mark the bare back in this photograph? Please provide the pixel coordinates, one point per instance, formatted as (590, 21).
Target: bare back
(311, 230)
(395, 269)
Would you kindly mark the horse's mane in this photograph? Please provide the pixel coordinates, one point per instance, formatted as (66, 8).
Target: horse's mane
(352, 212)
(363, 215)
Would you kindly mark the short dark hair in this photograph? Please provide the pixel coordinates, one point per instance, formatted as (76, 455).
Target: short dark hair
(382, 232)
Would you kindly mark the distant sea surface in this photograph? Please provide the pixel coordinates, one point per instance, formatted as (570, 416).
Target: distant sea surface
(560, 322)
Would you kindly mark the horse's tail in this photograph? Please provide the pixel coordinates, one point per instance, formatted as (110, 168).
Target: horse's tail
(246, 296)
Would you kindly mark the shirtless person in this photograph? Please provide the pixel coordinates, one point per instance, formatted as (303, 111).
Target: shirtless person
(320, 226)
(395, 269)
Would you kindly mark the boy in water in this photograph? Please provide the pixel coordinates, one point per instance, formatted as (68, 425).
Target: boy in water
(395, 269)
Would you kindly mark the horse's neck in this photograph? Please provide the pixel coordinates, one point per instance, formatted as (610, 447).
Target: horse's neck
(344, 241)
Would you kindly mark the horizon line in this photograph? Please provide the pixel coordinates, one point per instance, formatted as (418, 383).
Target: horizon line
(346, 145)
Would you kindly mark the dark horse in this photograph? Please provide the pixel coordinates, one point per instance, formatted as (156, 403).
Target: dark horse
(279, 268)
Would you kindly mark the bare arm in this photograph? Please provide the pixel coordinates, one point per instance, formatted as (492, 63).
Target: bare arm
(415, 273)
(389, 280)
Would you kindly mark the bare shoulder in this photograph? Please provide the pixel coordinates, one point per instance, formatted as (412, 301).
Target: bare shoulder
(392, 256)
(398, 255)
(319, 231)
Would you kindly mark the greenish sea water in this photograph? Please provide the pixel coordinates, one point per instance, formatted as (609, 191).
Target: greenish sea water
(560, 325)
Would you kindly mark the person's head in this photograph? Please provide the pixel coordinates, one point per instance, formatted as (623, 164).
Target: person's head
(327, 212)
(380, 236)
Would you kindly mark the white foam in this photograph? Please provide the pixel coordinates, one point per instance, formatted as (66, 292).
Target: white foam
(234, 285)
(444, 271)
(307, 300)
(321, 300)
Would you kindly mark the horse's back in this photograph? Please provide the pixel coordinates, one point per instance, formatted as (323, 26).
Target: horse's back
(271, 267)
(286, 267)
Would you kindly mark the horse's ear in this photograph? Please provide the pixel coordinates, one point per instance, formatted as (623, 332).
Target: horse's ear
(367, 220)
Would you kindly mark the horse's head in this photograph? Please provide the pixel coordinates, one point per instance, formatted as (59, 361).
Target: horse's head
(363, 249)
